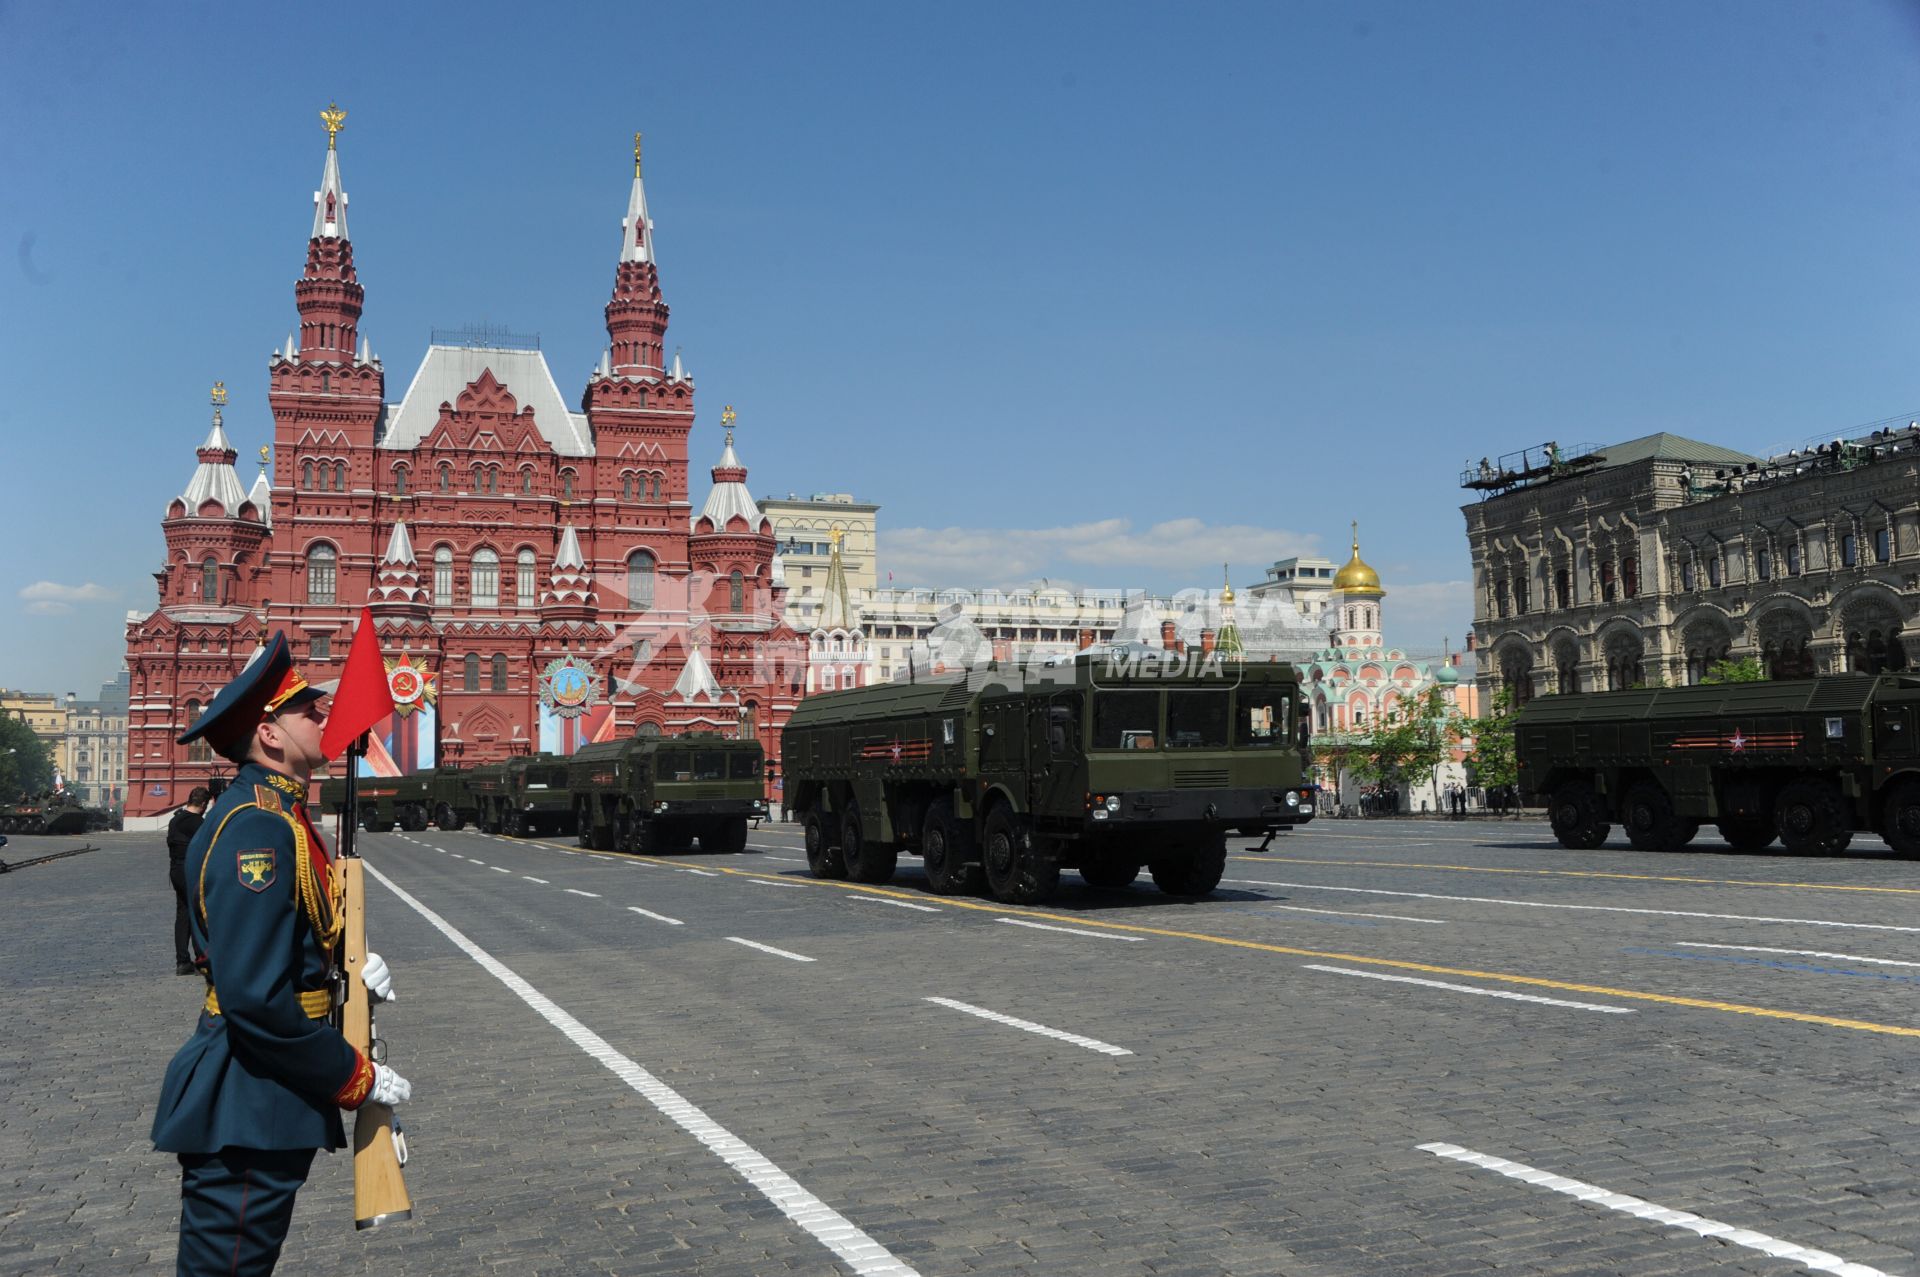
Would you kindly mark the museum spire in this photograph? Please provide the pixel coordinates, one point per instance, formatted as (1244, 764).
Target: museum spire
(636, 315)
(329, 295)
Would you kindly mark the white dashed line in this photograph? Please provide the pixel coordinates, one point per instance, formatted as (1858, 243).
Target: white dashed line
(703, 873)
(1807, 1257)
(575, 891)
(1092, 1044)
(768, 882)
(1541, 904)
(657, 917)
(767, 948)
(1467, 988)
(897, 904)
(497, 869)
(1344, 913)
(530, 878)
(1071, 931)
(1798, 953)
(865, 1256)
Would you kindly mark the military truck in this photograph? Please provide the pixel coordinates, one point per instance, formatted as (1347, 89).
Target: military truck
(56, 813)
(659, 793)
(410, 802)
(1809, 761)
(1107, 761)
(524, 795)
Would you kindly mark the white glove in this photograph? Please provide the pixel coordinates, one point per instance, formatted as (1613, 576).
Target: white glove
(389, 1088)
(378, 978)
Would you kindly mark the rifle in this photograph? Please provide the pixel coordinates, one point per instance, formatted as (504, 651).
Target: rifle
(379, 1145)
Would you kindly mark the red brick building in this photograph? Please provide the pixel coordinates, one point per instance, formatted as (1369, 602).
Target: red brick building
(543, 570)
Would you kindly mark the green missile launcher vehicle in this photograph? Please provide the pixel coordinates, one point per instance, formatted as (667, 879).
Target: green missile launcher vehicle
(438, 796)
(659, 793)
(1808, 761)
(1108, 761)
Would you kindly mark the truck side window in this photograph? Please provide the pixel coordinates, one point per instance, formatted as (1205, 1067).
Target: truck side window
(1063, 726)
(1125, 719)
(709, 764)
(1197, 719)
(1262, 721)
(744, 766)
(674, 766)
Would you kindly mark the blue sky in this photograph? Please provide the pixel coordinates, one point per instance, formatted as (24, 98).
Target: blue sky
(1102, 293)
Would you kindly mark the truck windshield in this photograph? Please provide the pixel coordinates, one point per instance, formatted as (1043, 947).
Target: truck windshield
(1126, 720)
(675, 766)
(1197, 719)
(1262, 720)
(709, 764)
(744, 766)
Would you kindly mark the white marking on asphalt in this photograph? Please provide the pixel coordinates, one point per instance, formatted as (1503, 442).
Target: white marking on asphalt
(1092, 1044)
(1798, 953)
(497, 869)
(1347, 913)
(767, 948)
(1071, 931)
(765, 882)
(599, 857)
(703, 873)
(1467, 988)
(898, 904)
(657, 917)
(531, 878)
(1819, 1261)
(1541, 904)
(591, 895)
(865, 1256)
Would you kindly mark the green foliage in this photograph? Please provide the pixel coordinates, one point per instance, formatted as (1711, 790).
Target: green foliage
(25, 767)
(1492, 762)
(1407, 743)
(1747, 669)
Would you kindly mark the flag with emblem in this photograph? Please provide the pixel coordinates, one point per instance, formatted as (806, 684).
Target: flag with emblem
(363, 697)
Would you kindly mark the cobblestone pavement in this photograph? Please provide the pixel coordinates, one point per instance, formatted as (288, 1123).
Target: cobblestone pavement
(1727, 1036)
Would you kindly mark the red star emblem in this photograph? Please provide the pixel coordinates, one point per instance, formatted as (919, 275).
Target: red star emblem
(1738, 741)
(895, 751)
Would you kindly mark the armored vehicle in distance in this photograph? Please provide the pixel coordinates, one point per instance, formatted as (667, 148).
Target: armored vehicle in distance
(659, 793)
(1107, 761)
(57, 813)
(408, 802)
(1809, 761)
(526, 795)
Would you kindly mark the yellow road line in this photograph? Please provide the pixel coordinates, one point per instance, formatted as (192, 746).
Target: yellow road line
(1585, 873)
(1538, 982)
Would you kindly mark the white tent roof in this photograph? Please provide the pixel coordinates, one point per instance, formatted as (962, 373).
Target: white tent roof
(447, 370)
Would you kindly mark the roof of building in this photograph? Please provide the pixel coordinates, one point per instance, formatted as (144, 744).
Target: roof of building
(448, 370)
(261, 494)
(1666, 446)
(1357, 577)
(730, 497)
(215, 480)
(696, 677)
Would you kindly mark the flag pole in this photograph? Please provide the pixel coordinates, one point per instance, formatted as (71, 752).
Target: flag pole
(350, 815)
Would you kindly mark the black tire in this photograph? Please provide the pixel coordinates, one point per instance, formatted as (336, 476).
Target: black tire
(725, 837)
(449, 820)
(946, 849)
(1021, 868)
(1196, 873)
(867, 861)
(1746, 833)
(1578, 817)
(1812, 818)
(515, 825)
(642, 838)
(823, 846)
(1900, 821)
(1111, 875)
(1651, 822)
(583, 828)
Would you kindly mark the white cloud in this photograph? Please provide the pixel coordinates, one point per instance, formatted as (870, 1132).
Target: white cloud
(49, 607)
(1107, 553)
(44, 592)
(1417, 617)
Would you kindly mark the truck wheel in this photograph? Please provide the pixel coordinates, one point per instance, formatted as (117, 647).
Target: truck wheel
(1746, 834)
(583, 828)
(1901, 825)
(642, 838)
(823, 846)
(1021, 869)
(1650, 821)
(1110, 875)
(1578, 819)
(1196, 873)
(1812, 818)
(946, 849)
(515, 825)
(447, 818)
(867, 861)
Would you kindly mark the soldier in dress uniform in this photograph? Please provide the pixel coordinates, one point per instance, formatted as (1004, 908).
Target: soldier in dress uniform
(260, 1084)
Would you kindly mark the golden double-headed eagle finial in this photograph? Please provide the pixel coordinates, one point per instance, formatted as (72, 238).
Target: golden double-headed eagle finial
(335, 119)
(219, 395)
(636, 155)
(266, 455)
(838, 534)
(727, 417)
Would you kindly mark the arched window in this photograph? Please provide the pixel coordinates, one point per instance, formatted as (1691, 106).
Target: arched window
(326, 383)
(646, 729)
(526, 483)
(400, 481)
(1713, 571)
(321, 565)
(210, 579)
(626, 486)
(736, 593)
(640, 566)
(1763, 563)
(1882, 545)
(339, 476)
(1849, 550)
(306, 475)
(1793, 558)
(523, 578)
(657, 479)
(199, 751)
(442, 574)
(470, 673)
(1630, 576)
(826, 679)
(499, 680)
(1562, 588)
(446, 477)
(566, 485)
(486, 578)
(1607, 581)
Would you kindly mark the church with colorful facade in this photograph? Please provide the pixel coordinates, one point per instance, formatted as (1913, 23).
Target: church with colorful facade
(540, 576)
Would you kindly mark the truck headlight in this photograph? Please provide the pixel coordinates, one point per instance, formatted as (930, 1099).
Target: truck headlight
(659, 806)
(1099, 813)
(1293, 799)
(1113, 802)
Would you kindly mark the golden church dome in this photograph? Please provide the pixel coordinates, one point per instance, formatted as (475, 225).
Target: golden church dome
(1357, 577)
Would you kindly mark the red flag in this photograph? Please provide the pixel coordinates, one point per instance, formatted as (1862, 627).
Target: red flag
(363, 698)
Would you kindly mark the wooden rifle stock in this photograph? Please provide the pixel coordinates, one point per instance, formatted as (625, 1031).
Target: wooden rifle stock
(379, 1187)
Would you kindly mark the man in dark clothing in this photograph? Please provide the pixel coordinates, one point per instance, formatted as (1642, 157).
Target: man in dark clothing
(180, 831)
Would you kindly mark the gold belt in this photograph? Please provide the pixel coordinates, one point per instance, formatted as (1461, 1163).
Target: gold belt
(317, 1003)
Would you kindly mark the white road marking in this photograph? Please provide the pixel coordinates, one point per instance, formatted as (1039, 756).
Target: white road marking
(792, 860)
(1346, 913)
(599, 857)
(591, 895)
(497, 869)
(1798, 953)
(456, 855)
(531, 878)
(898, 904)
(767, 948)
(865, 1256)
(1092, 1044)
(1807, 1257)
(657, 917)
(1467, 988)
(703, 873)
(1072, 931)
(1541, 904)
(767, 882)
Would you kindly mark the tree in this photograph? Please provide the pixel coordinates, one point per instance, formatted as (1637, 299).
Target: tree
(1409, 742)
(1747, 669)
(1492, 760)
(25, 767)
